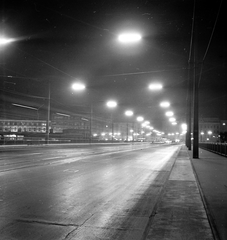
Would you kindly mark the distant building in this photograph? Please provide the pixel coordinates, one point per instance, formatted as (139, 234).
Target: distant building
(209, 129)
(223, 126)
(22, 126)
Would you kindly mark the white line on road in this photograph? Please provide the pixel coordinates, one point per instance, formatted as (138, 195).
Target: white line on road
(70, 170)
(52, 158)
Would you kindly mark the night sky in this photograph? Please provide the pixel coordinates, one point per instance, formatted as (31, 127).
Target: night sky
(63, 41)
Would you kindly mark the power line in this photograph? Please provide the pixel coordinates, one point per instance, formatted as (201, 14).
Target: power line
(59, 70)
(208, 46)
(145, 72)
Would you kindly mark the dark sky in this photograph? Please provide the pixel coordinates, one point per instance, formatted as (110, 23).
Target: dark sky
(62, 41)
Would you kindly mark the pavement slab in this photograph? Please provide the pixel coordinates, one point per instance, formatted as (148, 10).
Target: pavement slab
(211, 171)
(180, 213)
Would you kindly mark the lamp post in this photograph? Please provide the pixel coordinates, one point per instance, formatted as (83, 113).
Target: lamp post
(202, 133)
(79, 86)
(4, 41)
(48, 116)
(111, 104)
(128, 113)
(209, 134)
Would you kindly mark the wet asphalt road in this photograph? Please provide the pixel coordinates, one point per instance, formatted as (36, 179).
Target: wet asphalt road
(81, 192)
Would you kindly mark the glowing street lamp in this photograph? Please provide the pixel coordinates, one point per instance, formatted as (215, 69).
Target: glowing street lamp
(129, 37)
(164, 104)
(5, 41)
(202, 133)
(112, 104)
(78, 86)
(169, 114)
(146, 123)
(139, 119)
(172, 119)
(155, 86)
(128, 113)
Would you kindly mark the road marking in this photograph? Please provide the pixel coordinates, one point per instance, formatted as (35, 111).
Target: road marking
(30, 154)
(70, 170)
(52, 158)
(20, 155)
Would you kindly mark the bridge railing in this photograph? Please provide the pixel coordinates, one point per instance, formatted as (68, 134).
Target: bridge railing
(219, 148)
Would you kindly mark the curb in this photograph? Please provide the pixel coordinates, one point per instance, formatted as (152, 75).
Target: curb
(203, 197)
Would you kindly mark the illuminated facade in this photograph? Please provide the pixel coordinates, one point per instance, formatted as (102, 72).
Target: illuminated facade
(21, 126)
(210, 129)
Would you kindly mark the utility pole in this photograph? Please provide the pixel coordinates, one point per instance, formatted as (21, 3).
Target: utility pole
(195, 98)
(189, 105)
(190, 85)
(48, 115)
(196, 115)
(91, 113)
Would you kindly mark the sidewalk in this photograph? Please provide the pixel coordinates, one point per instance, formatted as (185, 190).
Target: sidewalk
(180, 214)
(211, 171)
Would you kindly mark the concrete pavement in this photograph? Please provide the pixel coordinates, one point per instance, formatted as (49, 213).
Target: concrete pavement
(211, 172)
(180, 213)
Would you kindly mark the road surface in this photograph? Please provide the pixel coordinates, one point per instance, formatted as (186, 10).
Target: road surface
(81, 192)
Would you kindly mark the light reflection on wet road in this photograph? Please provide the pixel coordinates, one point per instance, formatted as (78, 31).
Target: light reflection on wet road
(84, 195)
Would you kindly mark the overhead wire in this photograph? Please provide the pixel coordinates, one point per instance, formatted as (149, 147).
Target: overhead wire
(208, 46)
(59, 70)
(145, 72)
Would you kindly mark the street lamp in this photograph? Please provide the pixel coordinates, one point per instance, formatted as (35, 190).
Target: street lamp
(128, 113)
(139, 119)
(172, 119)
(129, 37)
(164, 104)
(202, 133)
(78, 86)
(111, 104)
(5, 41)
(155, 86)
(169, 114)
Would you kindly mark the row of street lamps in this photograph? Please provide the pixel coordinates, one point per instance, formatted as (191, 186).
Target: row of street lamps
(79, 86)
(126, 38)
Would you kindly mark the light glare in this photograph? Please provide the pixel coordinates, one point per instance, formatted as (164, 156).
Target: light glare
(140, 119)
(111, 104)
(78, 86)
(169, 114)
(4, 41)
(184, 126)
(155, 86)
(164, 104)
(172, 119)
(129, 37)
(129, 113)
